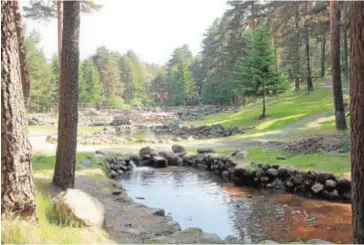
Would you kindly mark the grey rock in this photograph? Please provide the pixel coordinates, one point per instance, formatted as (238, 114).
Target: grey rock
(113, 174)
(159, 212)
(344, 185)
(330, 184)
(264, 179)
(178, 148)
(120, 172)
(272, 172)
(211, 238)
(160, 162)
(317, 188)
(289, 184)
(226, 175)
(145, 151)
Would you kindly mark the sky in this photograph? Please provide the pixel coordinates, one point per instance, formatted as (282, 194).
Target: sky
(151, 28)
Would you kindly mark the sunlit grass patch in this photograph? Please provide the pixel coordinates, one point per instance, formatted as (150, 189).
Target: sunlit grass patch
(339, 164)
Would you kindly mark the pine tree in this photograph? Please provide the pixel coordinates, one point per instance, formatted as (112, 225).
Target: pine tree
(64, 173)
(90, 89)
(255, 74)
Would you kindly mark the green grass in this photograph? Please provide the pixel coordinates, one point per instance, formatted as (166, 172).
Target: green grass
(47, 162)
(17, 231)
(339, 164)
(281, 111)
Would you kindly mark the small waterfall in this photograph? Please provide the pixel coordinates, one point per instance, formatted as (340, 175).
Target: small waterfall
(133, 165)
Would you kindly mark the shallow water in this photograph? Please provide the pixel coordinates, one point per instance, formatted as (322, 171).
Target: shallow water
(200, 199)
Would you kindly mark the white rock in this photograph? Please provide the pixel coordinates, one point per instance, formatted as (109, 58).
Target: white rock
(80, 207)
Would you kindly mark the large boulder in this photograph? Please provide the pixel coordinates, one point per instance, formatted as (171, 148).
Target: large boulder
(172, 158)
(74, 206)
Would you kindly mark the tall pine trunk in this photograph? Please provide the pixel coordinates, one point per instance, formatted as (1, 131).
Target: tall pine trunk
(323, 56)
(17, 186)
(335, 63)
(309, 83)
(357, 117)
(64, 173)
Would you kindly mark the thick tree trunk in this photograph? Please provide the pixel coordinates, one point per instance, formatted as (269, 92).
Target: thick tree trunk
(64, 174)
(323, 56)
(357, 117)
(307, 48)
(59, 22)
(22, 55)
(335, 64)
(17, 186)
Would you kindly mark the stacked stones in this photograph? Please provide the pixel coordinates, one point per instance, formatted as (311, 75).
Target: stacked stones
(290, 179)
(117, 165)
(200, 132)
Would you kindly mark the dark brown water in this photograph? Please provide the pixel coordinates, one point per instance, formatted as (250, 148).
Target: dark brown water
(200, 199)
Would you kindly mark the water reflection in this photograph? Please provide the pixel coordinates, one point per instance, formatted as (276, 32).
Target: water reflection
(200, 199)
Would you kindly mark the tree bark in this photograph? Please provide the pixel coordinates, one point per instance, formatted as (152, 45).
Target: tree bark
(357, 117)
(323, 55)
(307, 47)
(59, 22)
(22, 55)
(335, 64)
(64, 174)
(17, 186)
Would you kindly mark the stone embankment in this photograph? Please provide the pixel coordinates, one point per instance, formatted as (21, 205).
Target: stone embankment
(287, 178)
(200, 132)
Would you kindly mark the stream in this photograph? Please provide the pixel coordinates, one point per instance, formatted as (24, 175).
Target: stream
(200, 199)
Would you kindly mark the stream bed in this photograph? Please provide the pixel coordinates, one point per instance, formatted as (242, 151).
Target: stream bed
(196, 198)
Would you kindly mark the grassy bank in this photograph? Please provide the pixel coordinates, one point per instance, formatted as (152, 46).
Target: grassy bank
(20, 232)
(282, 111)
(338, 164)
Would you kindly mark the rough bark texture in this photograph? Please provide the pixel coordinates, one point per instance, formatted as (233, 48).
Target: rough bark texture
(357, 117)
(307, 48)
(323, 56)
(64, 174)
(335, 64)
(17, 186)
(22, 55)
(59, 22)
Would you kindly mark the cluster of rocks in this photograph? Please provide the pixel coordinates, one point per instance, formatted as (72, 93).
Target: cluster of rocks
(200, 132)
(287, 178)
(317, 144)
(117, 165)
(198, 112)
